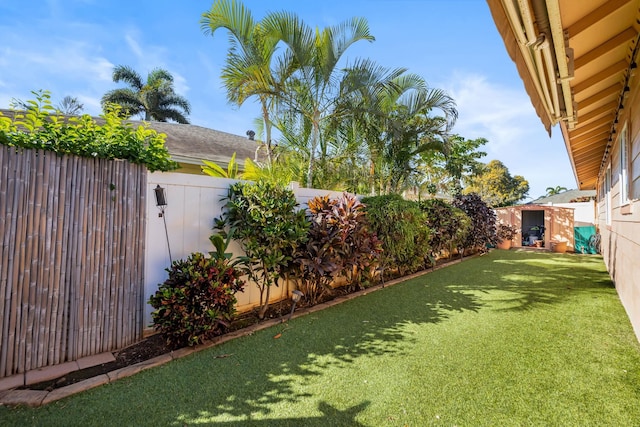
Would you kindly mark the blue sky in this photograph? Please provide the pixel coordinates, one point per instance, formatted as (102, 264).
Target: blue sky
(70, 47)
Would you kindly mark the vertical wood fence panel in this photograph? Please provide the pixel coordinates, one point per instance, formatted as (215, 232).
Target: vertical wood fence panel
(71, 257)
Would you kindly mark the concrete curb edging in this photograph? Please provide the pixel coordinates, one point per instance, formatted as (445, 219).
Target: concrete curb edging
(35, 398)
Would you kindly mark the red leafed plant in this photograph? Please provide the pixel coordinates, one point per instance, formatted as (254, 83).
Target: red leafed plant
(197, 301)
(338, 243)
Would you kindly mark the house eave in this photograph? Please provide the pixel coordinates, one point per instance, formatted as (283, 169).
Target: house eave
(594, 49)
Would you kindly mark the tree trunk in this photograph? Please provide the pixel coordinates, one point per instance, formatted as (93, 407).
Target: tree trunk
(267, 131)
(315, 135)
(265, 304)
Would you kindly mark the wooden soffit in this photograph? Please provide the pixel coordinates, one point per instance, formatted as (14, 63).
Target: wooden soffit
(603, 37)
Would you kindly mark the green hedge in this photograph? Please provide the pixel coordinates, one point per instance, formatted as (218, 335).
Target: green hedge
(402, 227)
(42, 127)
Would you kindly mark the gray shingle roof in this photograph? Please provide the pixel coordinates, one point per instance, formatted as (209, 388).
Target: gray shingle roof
(564, 197)
(191, 143)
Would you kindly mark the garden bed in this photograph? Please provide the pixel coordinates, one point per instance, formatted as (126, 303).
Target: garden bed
(155, 345)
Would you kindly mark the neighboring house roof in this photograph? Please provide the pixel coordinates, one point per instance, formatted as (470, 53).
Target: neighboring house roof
(575, 59)
(190, 144)
(564, 197)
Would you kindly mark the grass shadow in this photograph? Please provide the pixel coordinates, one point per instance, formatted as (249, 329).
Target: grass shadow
(330, 416)
(262, 376)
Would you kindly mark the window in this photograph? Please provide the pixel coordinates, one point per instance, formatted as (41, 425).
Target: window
(624, 167)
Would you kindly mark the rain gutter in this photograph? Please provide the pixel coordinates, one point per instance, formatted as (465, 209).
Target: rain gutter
(563, 61)
(526, 37)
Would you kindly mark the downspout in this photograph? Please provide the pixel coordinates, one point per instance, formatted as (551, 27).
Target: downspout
(531, 41)
(547, 14)
(551, 72)
(524, 42)
(544, 26)
(565, 74)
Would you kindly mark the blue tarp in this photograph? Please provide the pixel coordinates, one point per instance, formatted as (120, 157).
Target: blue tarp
(583, 237)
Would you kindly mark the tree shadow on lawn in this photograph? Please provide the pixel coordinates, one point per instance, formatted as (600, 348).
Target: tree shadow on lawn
(536, 279)
(380, 324)
(277, 370)
(266, 374)
(330, 416)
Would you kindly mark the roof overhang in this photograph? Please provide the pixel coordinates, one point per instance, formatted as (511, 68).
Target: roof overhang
(222, 160)
(575, 59)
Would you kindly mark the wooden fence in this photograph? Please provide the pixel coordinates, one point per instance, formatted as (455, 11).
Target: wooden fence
(71, 257)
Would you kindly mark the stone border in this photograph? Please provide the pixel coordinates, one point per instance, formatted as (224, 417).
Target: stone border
(36, 398)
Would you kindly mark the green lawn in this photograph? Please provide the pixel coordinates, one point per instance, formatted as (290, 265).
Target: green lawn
(506, 339)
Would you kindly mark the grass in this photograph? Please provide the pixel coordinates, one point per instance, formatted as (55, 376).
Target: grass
(510, 339)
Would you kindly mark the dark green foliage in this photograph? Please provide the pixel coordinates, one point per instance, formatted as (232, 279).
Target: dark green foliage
(338, 243)
(402, 227)
(483, 221)
(221, 244)
(269, 228)
(460, 225)
(449, 226)
(40, 127)
(197, 300)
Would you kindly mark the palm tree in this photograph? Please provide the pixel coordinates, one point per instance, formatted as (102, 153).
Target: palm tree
(248, 69)
(70, 106)
(552, 191)
(312, 90)
(391, 109)
(155, 99)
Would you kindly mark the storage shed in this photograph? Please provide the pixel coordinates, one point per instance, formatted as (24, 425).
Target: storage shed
(549, 227)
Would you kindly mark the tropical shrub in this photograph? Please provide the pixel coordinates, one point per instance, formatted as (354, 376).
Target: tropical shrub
(362, 248)
(265, 222)
(483, 221)
(402, 227)
(505, 232)
(460, 227)
(338, 243)
(197, 301)
(41, 127)
(449, 226)
(319, 257)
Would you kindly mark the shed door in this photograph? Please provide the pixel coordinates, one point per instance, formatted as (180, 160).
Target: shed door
(532, 226)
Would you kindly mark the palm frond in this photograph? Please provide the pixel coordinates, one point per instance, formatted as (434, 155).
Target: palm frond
(158, 77)
(123, 73)
(174, 100)
(232, 16)
(126, 98)
(164, 114)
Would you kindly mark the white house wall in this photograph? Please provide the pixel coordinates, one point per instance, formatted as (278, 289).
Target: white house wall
(193, 201)
(620, 238)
